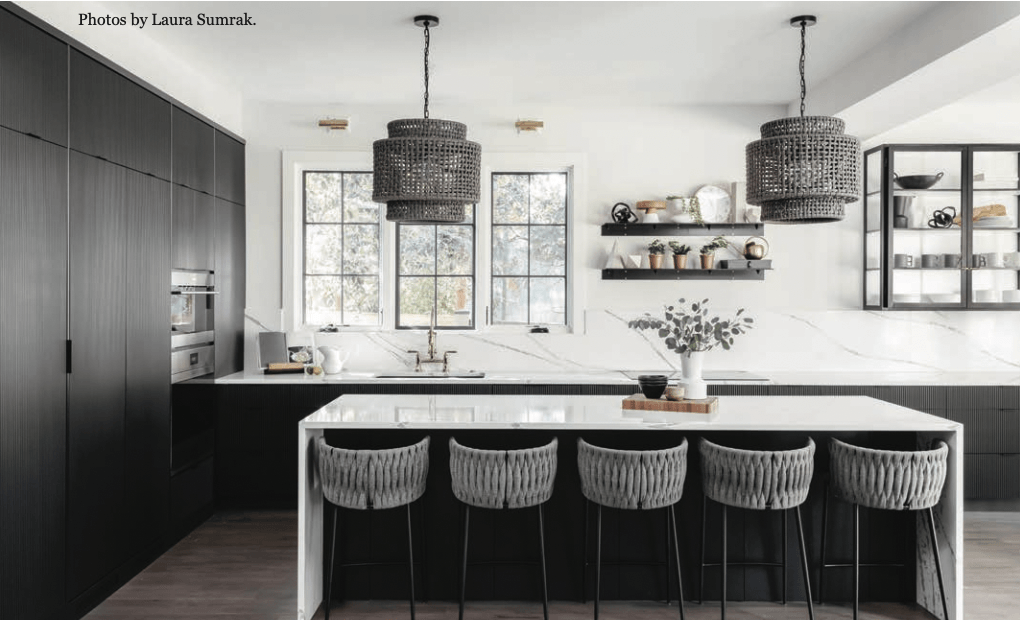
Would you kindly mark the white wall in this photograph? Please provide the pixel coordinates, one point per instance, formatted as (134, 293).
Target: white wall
(807, 309)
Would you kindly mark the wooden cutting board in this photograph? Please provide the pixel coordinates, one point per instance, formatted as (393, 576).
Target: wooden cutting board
(638, 401)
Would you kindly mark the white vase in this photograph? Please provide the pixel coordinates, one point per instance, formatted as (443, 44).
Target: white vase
(695, 387)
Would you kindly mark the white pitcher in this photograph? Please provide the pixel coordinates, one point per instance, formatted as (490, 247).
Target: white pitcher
(333, 359)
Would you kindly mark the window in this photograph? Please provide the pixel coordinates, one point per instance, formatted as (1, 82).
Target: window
(529, 248)
(341, 247)
(436, 262)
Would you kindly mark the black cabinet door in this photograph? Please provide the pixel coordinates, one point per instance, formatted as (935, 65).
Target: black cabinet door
(113, 118)
(33, 278)
(193, 227)
(193, 152)
(33, 80)
(97, 511)
(147, 402)
(229, 168)
(230, 283)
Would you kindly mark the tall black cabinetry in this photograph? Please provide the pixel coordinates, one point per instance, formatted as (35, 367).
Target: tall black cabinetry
(33, 81)
(230, 281)
(33, 276)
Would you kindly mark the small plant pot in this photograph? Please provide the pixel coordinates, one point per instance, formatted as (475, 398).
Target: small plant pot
(655, 261)
(680, 261)
(707, 261)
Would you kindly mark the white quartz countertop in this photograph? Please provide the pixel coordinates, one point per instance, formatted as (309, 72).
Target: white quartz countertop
(715, 377)
(761, 413)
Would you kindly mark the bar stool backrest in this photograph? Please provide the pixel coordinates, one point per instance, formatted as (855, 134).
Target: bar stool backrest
(757, 479)
(380, 479)
(888, 479)
(503, 478)
(632, 479)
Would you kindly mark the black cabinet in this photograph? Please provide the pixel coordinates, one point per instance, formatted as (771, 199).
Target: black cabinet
(33, 255)
(193, 152)
(193, 225)
(230, 283)
(33, 80)
(119, 400)
(115, 119)
(229, 168)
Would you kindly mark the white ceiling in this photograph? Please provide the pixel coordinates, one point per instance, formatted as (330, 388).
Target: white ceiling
(532, 53)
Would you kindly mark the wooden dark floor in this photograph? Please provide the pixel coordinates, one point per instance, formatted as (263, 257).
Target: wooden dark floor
(244, 565)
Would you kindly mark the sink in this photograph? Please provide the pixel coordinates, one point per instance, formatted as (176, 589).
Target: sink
(429, 375)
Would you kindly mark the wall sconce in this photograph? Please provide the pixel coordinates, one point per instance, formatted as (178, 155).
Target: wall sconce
(330, 125)
(529, 125)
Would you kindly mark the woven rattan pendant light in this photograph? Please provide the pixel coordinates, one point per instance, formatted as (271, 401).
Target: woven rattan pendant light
(426, 171)
(804, 169)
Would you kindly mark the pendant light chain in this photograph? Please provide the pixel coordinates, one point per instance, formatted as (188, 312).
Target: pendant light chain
(427, 70)
(803, 56)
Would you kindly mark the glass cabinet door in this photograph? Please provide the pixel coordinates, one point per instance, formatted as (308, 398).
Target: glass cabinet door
(873, 242)
(995, 236)
(927, 242)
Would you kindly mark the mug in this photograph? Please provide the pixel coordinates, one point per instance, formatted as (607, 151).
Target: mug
(931, 261)
(992, 259)
(978, 261)
(903, 261)
(1011, 260)
(951, 261)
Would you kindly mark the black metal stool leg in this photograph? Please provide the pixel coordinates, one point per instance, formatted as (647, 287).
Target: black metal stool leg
(938, 563)
(804, 562)
(857, 559)
(722, 597)
(410, 558)
(598, 556)
(676, 552)
(463, 566)
(541, 544)
(584, 567)
(668, 571)
(825, 525)
(422, 548)
(332, 563)
(786, 544)
(701, 577)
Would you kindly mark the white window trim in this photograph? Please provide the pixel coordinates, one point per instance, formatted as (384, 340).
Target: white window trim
(294, 163)
(575, 165)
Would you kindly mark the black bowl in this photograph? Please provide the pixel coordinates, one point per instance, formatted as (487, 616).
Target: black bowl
(917, 181)
(653, 378)
(652, 386)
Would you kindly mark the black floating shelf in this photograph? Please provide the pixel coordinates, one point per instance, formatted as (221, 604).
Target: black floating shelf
(684, 274)
(669, 228)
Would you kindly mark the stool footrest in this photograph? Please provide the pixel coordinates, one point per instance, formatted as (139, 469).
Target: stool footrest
(863, 565)
(728, 563)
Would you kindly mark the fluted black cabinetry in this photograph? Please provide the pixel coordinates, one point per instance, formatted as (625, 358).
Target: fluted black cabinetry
(230, 281)
(192, 230)
(115, 119)
(33, 80)
(33, 278)
(229, 168)
(194, 157)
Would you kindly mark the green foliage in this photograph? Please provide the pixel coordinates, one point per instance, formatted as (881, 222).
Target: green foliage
(715, 244)
(657, 247)
(686, 328)
(679, 248)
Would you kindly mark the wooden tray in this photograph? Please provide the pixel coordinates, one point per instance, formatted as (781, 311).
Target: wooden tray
(638, 401)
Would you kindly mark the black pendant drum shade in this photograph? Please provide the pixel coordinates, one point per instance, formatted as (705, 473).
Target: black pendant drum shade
(804, 169)
(426, 171)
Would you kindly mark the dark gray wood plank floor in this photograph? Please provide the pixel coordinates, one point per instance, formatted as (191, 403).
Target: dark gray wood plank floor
(244, 565)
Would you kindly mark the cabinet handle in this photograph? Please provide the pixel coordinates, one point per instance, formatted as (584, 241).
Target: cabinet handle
(194, 292)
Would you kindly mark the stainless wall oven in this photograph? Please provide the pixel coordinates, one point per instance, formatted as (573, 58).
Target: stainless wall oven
(192, 307)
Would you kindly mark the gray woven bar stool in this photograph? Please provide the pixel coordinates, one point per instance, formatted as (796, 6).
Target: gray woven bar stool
(373, 480)
(757, 480)
(632, 480)
(887, 480)
(500, 479)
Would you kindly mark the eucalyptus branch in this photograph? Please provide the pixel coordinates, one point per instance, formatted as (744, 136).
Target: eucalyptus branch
(687, 328)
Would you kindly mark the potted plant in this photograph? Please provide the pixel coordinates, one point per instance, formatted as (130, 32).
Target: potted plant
(656, 250)
(708, 251)
(688, 330)
(686, 210)
(679, 254)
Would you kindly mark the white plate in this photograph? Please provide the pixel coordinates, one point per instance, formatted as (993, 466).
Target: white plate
(715, 204)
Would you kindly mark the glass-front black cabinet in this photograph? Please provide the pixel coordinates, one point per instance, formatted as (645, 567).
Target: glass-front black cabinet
(941, 227)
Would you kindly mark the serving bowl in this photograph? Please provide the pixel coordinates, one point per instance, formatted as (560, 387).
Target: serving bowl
(917, 181)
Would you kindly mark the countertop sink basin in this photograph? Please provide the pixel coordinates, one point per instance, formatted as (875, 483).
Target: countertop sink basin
(430, 375)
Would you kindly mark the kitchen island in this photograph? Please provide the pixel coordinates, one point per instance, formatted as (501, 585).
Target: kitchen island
(516, 420)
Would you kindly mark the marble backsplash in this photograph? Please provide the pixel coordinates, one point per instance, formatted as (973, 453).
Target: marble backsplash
(850, 341)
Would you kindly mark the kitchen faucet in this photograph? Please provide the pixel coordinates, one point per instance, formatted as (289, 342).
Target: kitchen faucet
(431, 359)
